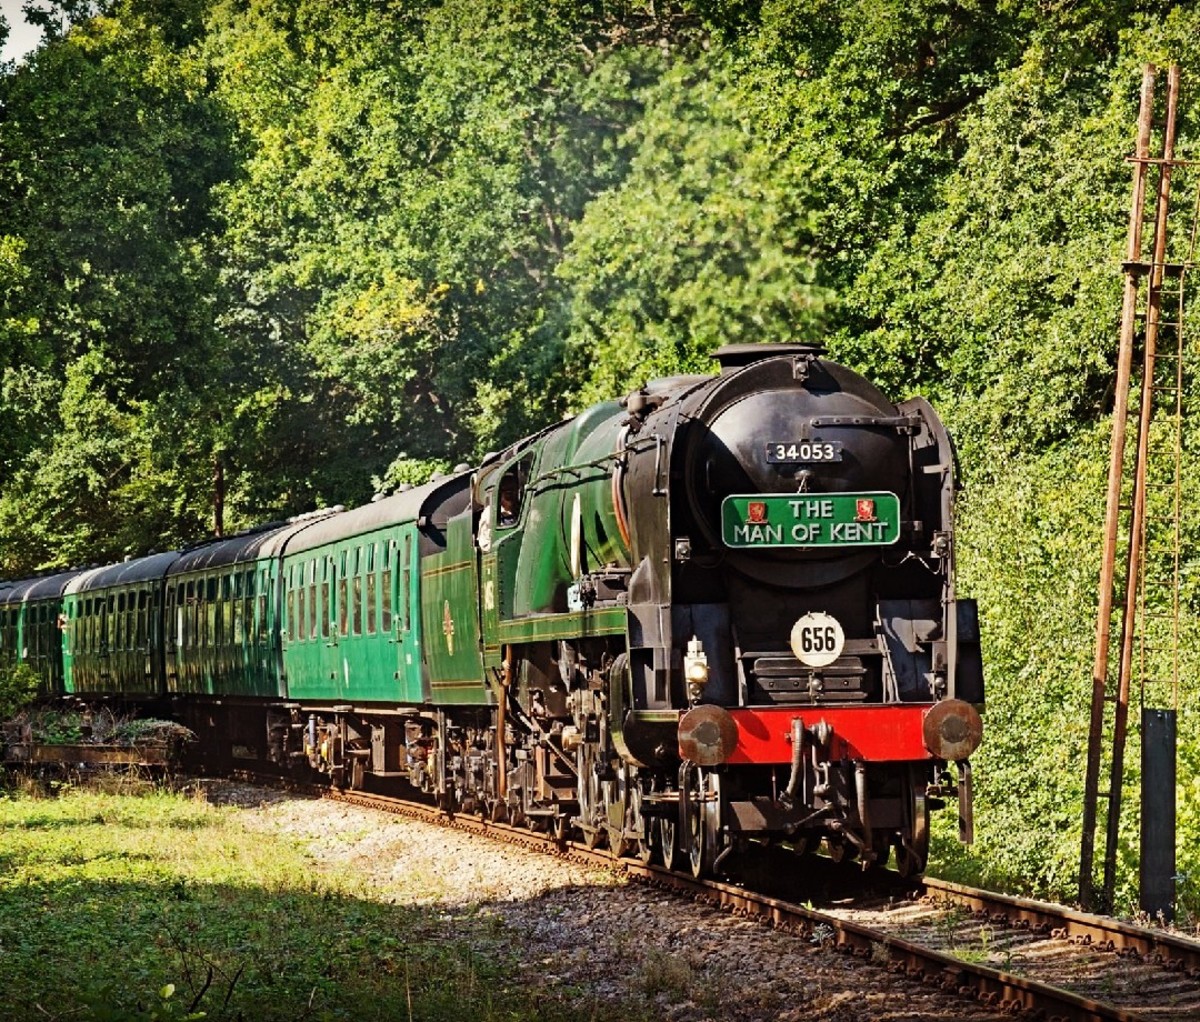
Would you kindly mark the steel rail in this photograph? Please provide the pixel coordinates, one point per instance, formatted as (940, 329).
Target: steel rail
(1103, 932)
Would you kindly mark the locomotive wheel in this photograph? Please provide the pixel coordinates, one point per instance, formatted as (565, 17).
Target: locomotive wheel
(666, 840)
(643, 846)
(908, 863)
(840, 848)
(699, 817)
(591, 820)
(617, 806)
(881, 846)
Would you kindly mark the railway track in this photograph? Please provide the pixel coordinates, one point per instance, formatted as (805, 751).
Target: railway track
(1010, 954)
(1092, 966)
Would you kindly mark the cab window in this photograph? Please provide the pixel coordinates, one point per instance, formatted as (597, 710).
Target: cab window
(511, 492)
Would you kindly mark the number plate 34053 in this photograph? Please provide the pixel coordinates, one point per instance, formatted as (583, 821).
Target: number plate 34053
(803, 452)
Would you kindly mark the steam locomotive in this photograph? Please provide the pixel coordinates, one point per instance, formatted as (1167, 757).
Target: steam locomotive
(720, 611)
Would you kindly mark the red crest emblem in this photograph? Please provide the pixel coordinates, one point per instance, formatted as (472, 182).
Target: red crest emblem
(864, 510)
(756, 512)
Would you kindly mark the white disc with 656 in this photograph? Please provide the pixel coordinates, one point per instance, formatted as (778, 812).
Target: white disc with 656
(817, 639)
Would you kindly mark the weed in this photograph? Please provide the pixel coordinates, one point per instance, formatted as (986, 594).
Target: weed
(947, 924)
(104, 1005)
(665, 973)
(822, 933)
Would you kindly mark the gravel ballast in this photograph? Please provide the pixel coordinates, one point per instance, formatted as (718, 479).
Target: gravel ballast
(590, 934)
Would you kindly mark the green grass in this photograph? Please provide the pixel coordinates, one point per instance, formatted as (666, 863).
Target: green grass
(150, 906)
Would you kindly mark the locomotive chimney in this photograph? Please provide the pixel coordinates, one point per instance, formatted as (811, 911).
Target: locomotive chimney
(738, 356)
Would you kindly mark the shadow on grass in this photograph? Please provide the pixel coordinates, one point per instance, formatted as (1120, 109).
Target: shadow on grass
(101, 950)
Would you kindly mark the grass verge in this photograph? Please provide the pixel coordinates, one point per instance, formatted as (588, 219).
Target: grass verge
(156, 905)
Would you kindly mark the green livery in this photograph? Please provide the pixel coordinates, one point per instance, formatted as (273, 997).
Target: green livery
(450, 616)
(563, 528)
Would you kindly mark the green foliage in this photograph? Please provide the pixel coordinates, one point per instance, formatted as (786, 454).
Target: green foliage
(105, 1004)
(18, 687)
(109, 147)
(48, 725)
(709, 240)
(1036, 605)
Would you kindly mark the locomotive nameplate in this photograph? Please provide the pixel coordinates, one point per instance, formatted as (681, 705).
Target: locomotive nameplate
(803, 452)
(810, 519)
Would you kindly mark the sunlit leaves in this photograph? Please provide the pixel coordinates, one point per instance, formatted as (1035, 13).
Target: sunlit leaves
(709, 240)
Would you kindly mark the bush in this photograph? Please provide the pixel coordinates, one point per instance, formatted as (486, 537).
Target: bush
(18, 688)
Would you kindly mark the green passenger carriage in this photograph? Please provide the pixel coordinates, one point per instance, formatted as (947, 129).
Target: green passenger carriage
(112, 638)
(351, 606)
(222, 613)
(31, 627)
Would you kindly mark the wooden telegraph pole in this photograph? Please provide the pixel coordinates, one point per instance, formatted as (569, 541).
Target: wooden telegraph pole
(1126, 516)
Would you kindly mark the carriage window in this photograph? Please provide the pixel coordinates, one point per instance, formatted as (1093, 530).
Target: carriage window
(371, 603)
(356, 605)
(326, 610)
(239, 614)
(406, 583)
(385, 588)
(187, 630)
(263, 625)
(205, 591)
(35, 627)
(143, 619)
(130, 634)
(312, 599)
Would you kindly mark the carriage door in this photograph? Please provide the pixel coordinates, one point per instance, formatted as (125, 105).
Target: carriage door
(335, 612)
(402, 558)
(144, 644)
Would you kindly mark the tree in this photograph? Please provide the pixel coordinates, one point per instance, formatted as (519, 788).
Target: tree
(710, 239)
(109, 148)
